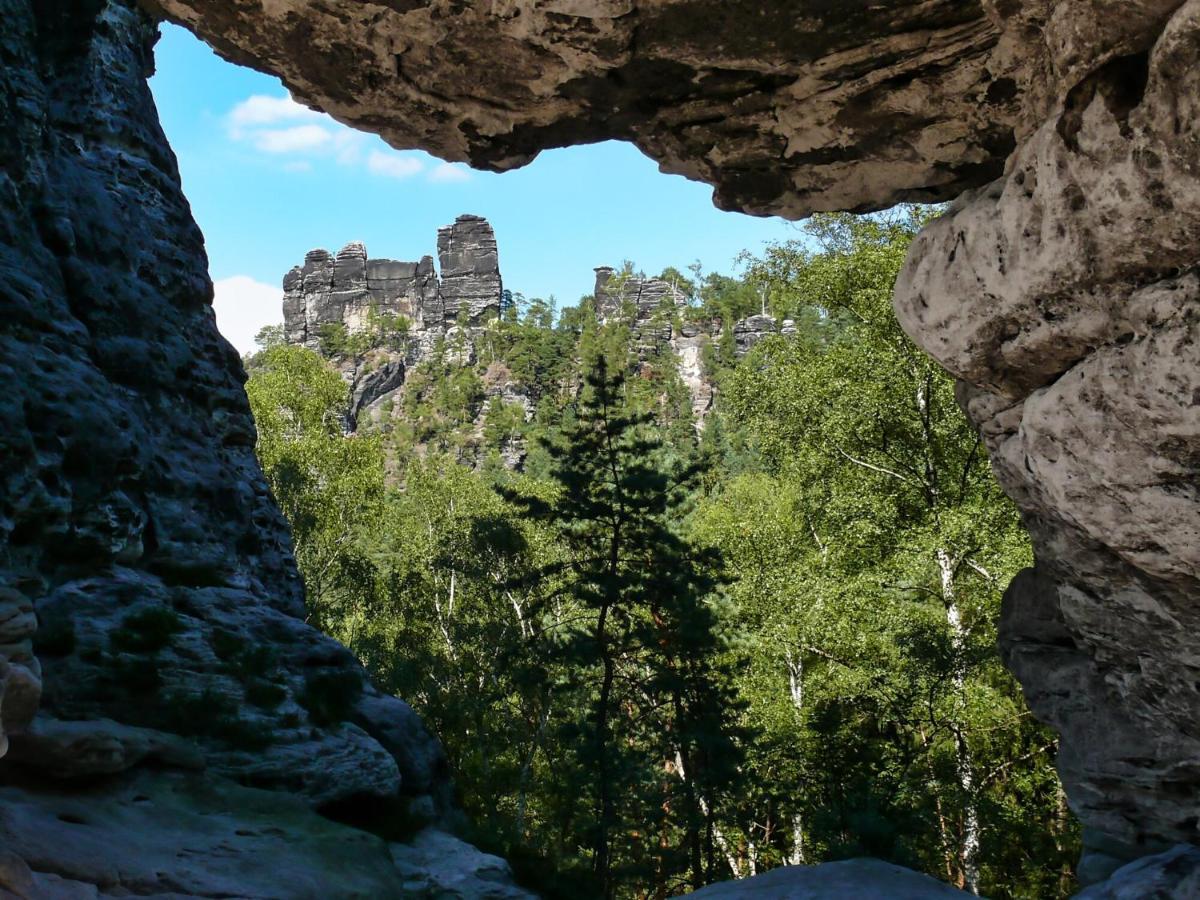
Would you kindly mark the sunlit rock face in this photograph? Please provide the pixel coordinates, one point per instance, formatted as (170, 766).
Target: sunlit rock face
(1065, 297)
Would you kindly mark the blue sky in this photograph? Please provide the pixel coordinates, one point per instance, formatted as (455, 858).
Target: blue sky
(269, 180)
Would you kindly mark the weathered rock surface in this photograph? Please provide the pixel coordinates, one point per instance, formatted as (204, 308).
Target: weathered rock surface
(783, 107)
(179, 835)
(862, 879)
(470, 264)
(1065, 297)
(1063, 294)
(377, 317)
(436, 865)
(656, 313)
(1173, 875)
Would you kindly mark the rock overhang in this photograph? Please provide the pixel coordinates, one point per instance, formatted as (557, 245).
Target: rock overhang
(784, 108)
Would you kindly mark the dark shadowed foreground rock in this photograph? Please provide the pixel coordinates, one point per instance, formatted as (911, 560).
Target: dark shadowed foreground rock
(851, 879)
(1173, 875)
(156, 834)
(150, 609)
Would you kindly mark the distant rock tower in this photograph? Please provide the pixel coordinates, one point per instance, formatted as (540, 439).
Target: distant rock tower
(470, 266)
(350, 288)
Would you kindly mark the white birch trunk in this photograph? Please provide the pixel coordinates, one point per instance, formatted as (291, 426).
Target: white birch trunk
(970, 845)
(795, 666)
(718, 834)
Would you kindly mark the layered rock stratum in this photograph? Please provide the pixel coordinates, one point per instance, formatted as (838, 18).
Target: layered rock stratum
(1060, 288)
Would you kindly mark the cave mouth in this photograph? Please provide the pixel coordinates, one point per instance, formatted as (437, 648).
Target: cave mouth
(571, 212)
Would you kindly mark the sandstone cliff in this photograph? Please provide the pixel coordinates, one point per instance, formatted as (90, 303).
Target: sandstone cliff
(150, 609)
(377, 318)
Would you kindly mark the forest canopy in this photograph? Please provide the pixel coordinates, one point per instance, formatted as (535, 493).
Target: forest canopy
(660, 655)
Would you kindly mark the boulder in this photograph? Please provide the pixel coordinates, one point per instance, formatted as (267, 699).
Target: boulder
(862, 879)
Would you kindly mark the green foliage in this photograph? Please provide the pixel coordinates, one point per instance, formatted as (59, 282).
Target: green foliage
(269, 336)
(791, 656)
(638, 640)
(872, 551)
(329, 486)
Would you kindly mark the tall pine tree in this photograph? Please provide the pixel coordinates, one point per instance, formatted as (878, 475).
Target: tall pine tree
(649, 646)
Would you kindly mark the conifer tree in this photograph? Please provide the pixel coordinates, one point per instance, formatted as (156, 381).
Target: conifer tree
(650, 643)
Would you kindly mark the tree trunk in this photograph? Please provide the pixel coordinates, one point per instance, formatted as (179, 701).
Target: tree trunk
(795, 666)
(966, 779)
(601, 863)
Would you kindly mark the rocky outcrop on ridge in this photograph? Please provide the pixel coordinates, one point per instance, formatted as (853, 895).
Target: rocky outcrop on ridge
(399, 313)
(355, 292)
(655, 311)
(376, 318)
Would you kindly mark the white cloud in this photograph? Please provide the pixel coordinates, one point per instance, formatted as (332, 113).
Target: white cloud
(243, 306)
(291, 140)
(393, 165)
(281, 127)
(445, 173)
(262, 109)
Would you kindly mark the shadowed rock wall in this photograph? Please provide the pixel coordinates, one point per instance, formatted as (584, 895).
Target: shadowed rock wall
(143, 560)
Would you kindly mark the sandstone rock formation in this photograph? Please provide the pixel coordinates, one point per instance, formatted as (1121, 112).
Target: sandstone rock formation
(656, 313)
(376, 318)
(360, 294)
(1064, 296)
(1172, 874)
(783, 107)
(1062, 293)
(470, 264)
(393, 314)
